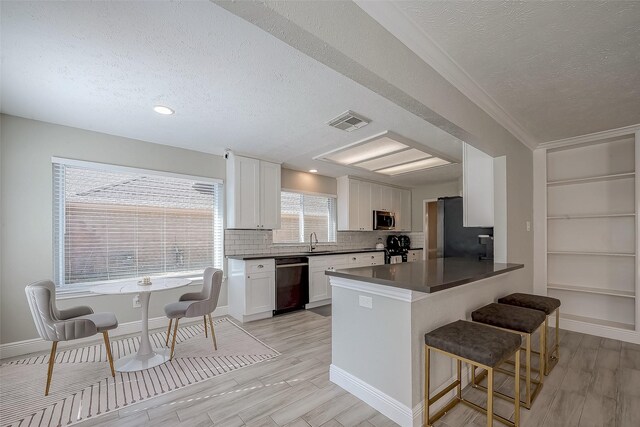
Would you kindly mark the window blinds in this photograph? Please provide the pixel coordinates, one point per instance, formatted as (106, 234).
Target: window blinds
(113, 224)
(302, 214)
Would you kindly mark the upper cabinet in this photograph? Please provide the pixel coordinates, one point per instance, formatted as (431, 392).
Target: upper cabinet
(253, 193)
(354, 205)
(358, 199)
(477, 187)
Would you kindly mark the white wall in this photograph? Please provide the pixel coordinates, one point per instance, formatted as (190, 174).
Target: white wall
(309, 182)
(26, 209)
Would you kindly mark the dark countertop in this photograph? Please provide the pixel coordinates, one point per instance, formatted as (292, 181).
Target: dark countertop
(299, 254)
(427, 276)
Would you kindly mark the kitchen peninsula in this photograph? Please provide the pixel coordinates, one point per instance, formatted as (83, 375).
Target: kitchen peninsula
(381, 313)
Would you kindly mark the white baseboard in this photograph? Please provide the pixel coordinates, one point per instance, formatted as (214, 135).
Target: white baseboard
(35, 345)
(387, 405)
(597, 330)
(390, 407)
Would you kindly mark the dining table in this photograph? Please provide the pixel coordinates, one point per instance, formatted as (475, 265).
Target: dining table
(146, 356)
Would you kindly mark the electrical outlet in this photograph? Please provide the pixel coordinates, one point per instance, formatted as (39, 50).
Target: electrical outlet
(366, 302)
(528, 225)
(136, 302)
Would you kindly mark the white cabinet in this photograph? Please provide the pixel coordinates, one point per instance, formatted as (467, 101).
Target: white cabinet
(270, 195)
(358, 199)
(319, 287)
(414, 255)
(252, 287)
(253, 193)
(354, 205)
(477, 187)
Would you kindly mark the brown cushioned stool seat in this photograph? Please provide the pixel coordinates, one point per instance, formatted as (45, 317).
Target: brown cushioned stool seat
(549, 306)
(480, 346)
(536, 302)
(509, 317)
(524, 321)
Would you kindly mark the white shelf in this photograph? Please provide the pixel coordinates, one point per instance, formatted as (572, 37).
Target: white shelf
(592, 179)
(590, 290)
(622, 215)
(590, 253)
(600, 322)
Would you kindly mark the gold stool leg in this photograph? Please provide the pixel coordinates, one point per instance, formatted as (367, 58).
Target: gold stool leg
(558, 334)
(173, 343)
(52, 359)
(205, 326)
(168, 333)
(516, 402)
(107, 346)
(213, 334)
(490, 397)
(542, 369)
(528, 368)
(459, 371)
(427, 366)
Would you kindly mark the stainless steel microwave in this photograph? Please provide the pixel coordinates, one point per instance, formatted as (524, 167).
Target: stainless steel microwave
(383, 220)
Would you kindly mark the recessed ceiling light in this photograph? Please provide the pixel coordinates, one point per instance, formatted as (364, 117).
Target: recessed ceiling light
(313, 170)
(161, 109)
(414, 166)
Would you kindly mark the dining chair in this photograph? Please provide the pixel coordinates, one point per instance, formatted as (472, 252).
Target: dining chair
(57, 325)
(196, 304)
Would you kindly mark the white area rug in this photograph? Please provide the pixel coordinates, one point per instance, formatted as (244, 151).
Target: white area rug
(82, 386)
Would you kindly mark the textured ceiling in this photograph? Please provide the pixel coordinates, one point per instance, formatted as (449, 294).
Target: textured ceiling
(561, 68)
(103, 65)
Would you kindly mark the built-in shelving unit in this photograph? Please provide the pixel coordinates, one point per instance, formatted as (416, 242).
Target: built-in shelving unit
(591, 239)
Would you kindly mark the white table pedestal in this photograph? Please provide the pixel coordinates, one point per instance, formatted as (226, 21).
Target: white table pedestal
(147, 356)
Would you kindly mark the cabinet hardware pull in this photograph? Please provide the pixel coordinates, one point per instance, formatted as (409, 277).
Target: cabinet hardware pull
(260, 266)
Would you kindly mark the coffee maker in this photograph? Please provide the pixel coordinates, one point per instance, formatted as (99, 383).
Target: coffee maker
(397, 249)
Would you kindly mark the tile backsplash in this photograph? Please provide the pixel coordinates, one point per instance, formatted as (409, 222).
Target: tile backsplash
(243, 242)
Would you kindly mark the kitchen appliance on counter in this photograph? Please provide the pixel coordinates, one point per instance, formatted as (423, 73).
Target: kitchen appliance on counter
(292, 284)
(383, 220)
(397, 249)
(455, 240)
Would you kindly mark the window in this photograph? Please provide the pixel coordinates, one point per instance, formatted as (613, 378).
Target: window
(303, 214)
(115, 223)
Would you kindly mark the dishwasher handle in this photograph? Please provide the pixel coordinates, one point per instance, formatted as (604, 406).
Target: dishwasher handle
(299, 264)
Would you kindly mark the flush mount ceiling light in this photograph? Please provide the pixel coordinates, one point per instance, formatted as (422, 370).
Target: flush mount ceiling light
(313, 170)
(161, 109)
(387, 153)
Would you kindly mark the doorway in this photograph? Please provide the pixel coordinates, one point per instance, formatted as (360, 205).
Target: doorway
(430, 227)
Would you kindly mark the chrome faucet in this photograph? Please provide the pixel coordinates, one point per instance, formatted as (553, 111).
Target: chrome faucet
(311, 244)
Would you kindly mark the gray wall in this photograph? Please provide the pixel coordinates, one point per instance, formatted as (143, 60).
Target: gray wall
(309, 182)
(426, 192)
(26, 209)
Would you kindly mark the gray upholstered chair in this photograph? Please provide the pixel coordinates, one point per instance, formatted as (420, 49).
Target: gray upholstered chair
(196, 304)
(65, 325)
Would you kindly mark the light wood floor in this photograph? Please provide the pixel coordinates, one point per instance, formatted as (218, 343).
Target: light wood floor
(596, 383)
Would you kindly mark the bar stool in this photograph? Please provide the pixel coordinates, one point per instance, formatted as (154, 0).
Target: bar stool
(523, 321)
(477, 345)
(549, 306)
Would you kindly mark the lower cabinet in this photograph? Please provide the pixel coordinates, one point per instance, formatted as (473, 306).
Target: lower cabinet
(252, 286)
(319, 287)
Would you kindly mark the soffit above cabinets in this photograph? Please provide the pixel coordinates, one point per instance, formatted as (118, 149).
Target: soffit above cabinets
(386, 153)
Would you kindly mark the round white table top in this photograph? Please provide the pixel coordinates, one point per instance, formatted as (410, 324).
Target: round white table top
(132, 286)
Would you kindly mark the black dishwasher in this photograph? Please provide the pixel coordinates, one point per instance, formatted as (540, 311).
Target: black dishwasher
(292, 284)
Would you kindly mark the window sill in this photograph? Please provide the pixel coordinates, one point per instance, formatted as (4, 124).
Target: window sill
(67, 292)
(305, 244)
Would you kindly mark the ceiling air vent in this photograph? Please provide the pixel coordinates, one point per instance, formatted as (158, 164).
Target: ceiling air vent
(349, 121)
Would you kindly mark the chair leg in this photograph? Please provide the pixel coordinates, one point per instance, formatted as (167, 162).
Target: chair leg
(213, 333)
(205, 326)
(52, 359)
(107, 346)
(168, 333)
(173, 343)
(516, 400)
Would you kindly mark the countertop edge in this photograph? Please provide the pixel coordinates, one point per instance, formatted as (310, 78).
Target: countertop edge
(432, 289)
